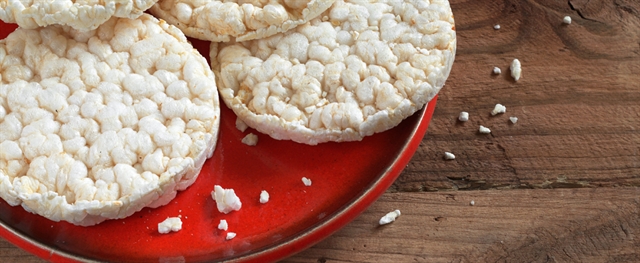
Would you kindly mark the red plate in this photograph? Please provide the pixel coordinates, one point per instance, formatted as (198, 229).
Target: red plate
(347, 178)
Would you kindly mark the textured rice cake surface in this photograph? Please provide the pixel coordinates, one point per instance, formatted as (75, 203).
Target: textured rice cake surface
(79, 14)
(224, 20)
(357, 69)
(97, 125)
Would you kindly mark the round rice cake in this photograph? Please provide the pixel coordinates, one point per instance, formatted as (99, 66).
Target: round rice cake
(82, 15)
(224, 20)
(358, 69)
(97, 125)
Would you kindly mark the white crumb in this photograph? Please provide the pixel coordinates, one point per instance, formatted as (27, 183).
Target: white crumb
(226, 199)
(449, 156)
(264, 197)
(251, 139)
(472, 203)
(496, 27)
(230, 235)
(496, 70)
(240, 125)
(513, 119)
(499, 108)
(223, 225)
(516, 69)
(566, 20)
(389, 217)
(464, 116)
(306, 181)
(170, 224)
(484, 130)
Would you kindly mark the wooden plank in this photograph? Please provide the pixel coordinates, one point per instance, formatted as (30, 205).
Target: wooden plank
(11, 253)
(577, 100)
(524, 225)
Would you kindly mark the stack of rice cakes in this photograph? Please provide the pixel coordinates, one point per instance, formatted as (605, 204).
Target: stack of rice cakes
(358, 68)
(314, 71)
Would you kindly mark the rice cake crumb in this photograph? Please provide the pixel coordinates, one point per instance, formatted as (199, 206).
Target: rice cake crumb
(516, 69)
(389, 217)
(464, 116)
(499, 108)
(472, 203)
(240, 125)
(264, 197)
(496, 70)
(171, 224)
(496, 27)
(226, 199)
(230, 235)
(566, 20)
(223, 225)
(484, 130)
(513, 119)
(306, 181)
(449, 156)
(251, 139)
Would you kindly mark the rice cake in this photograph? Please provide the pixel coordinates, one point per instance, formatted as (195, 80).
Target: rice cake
(240, 20)
(81, 15)
(97, 125)
(358, 69)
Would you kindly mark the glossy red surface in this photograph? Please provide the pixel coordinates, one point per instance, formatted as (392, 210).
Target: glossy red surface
(347, 178)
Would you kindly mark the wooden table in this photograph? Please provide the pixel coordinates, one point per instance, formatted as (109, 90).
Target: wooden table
(560, 185)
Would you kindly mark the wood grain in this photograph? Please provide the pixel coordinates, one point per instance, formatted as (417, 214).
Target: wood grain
(520, 225)
(577, 100)
(560, 185)
(10, 253)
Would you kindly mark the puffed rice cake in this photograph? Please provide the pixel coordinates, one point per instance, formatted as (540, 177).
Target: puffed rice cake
(240, 20)
(358, 69)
